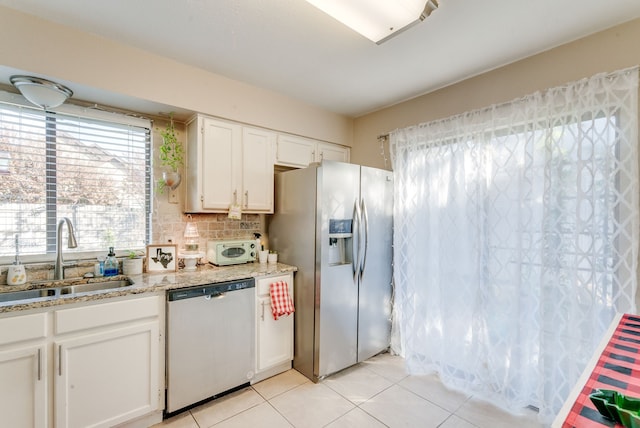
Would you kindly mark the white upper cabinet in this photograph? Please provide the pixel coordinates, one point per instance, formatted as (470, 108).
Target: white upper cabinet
(299, 152)
(334, 152)
(295, 151)
(257, 170)
(228, 163)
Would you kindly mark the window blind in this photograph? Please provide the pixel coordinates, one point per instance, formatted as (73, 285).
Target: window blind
(92, 170)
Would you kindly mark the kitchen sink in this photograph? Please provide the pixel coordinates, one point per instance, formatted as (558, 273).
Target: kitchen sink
(27, 294)
(65, 290)
(95, 286)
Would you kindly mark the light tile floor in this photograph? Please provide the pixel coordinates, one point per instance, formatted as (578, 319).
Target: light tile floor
(376, 393)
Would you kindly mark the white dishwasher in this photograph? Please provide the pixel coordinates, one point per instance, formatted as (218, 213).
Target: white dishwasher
(210, 341)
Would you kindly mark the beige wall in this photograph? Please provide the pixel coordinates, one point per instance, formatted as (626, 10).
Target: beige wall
(41, 47)
(609, 50)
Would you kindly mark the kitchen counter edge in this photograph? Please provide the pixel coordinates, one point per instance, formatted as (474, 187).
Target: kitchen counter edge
(147, 283)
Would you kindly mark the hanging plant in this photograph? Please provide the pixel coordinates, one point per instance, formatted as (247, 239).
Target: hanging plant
(171, 155)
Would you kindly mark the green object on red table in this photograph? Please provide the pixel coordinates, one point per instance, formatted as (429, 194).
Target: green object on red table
(618, 407)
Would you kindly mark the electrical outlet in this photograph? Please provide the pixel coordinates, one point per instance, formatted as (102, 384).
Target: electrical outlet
(173, 197)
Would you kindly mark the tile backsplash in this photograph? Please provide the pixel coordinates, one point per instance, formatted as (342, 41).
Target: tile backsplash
(170, 227)
(166, 227)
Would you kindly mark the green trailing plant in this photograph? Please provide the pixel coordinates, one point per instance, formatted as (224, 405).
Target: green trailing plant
(160, 186)
(171, 152)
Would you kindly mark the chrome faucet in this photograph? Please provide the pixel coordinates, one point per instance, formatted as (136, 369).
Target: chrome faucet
(58, 271)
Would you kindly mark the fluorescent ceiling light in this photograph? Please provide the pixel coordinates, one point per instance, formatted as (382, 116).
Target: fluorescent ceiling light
(377, 20)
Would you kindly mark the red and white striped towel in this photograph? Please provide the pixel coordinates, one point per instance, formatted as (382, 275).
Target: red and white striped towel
(281, 302)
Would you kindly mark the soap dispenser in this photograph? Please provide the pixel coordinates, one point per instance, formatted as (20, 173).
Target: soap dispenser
(111, 264)
(16, 274)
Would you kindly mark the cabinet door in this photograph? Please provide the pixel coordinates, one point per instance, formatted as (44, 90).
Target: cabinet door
(23, 388)
(274, 337)
(257, 170)
(220, 164)
(106, 378)
(332, 152)
(295, 151)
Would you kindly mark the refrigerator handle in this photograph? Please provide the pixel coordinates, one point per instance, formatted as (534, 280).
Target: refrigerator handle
(355, 240)
(365, 223)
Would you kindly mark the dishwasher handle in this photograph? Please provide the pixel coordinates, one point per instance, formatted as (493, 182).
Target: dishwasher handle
(215, 295)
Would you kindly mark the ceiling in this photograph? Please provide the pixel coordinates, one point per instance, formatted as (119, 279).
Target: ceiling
(295, 49)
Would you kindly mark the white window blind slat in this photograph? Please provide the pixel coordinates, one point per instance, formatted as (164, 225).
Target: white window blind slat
(95, 172)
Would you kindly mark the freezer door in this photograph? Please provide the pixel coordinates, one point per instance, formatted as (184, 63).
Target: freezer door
(374, 313)
(337, 287)
(292, 232)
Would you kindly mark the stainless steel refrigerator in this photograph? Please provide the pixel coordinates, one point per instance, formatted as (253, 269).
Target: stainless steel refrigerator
(334, 222)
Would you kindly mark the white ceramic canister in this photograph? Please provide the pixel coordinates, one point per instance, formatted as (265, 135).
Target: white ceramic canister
(16, 275)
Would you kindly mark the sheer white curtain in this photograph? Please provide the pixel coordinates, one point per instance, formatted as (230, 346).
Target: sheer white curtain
(516, 239)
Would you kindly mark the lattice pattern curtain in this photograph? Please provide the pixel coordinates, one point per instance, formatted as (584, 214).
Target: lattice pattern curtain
(516, 239)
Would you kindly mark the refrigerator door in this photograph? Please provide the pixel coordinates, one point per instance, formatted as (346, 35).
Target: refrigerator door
(374, 313)
(336, 284)
(292, 232)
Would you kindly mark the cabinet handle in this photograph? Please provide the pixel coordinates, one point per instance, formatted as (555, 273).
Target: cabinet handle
(246, 199)
(313, 156)
(39, 364)
(235, 197)
(59, 360)
(262, 316)
(321, 156)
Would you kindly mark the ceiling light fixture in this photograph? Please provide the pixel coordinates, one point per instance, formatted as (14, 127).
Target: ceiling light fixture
(377, 20)
(41, 92)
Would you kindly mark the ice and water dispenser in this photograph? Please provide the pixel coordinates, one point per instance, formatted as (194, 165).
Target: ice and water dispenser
(340, 242)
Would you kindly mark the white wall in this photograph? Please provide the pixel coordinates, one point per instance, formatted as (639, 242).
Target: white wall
(47, 49)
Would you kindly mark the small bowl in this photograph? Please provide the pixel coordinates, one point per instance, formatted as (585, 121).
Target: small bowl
(614, 411)
(604, 400)
(635, 420)
(628, 403)
(618, 407)
(626, 416)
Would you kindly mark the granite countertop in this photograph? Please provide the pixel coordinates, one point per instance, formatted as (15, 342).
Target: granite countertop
(145, 283)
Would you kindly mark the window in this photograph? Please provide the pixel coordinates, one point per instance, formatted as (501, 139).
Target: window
(90, 166)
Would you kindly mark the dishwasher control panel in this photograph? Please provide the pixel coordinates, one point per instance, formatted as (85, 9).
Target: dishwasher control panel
(211, 290)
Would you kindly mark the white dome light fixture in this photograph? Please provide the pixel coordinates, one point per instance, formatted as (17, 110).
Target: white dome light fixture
(41, 92)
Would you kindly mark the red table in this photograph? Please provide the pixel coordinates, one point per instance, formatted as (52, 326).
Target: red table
(617, 367)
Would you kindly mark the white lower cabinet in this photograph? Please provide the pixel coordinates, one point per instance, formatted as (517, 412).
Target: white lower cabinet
(274, 338)
(23, 389)
(91, 365)
(107, 378)
(23, 371)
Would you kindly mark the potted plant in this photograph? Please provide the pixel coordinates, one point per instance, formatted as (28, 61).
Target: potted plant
(132, 264)
(171, 156)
